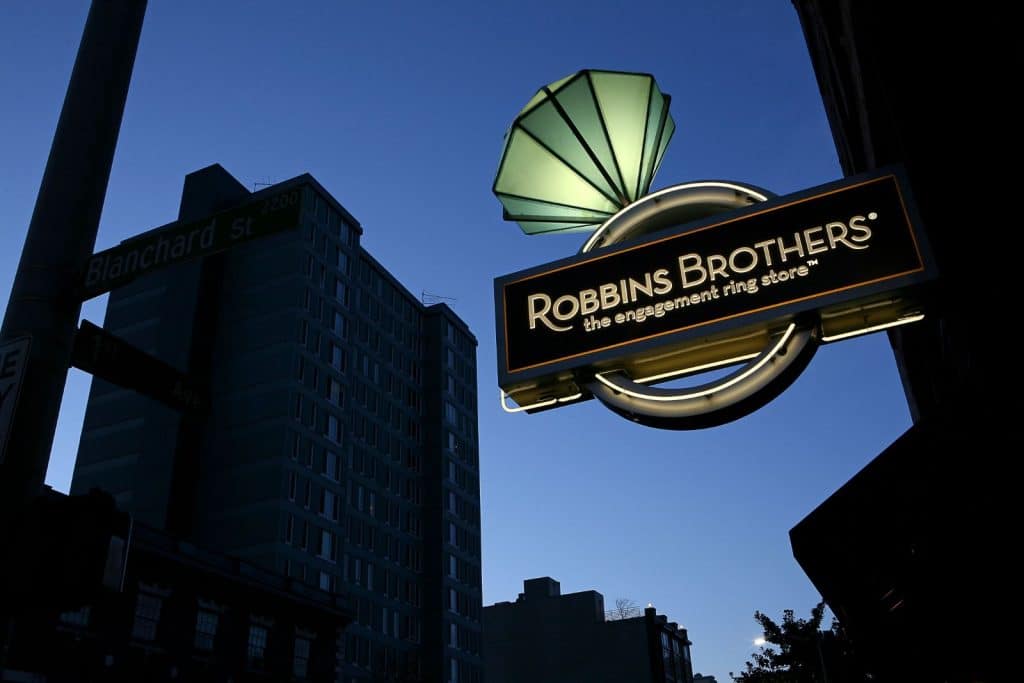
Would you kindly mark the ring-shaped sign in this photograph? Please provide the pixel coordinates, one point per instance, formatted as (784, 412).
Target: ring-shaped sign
(753, 384)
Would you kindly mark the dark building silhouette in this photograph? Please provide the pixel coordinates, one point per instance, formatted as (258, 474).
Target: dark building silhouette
(547, 637)
(340, 447)
(914, 544)
(185, 614)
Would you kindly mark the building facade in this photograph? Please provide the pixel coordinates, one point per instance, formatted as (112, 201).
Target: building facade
(183, 614)
(547, 637)
(340, 446)
(919, 536)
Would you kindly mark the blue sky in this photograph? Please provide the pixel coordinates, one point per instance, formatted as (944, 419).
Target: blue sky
(398, 109)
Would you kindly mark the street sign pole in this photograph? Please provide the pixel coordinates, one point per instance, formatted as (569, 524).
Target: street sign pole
(61, 236)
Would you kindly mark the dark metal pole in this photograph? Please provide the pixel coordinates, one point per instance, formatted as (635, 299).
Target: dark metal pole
(62, 235)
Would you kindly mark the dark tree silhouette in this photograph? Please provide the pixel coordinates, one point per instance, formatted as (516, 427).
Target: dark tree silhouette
(799, 651)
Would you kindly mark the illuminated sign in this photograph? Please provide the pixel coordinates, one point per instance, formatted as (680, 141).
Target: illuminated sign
(839, 258)
(707, 275)
(839, 243)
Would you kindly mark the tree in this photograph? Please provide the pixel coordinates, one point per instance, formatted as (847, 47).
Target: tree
(799, 651)
(624, 609)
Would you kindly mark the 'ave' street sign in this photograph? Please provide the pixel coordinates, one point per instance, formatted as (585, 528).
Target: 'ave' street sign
(109, 357)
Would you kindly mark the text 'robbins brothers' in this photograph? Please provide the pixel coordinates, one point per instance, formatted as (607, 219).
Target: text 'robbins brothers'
(760, 261)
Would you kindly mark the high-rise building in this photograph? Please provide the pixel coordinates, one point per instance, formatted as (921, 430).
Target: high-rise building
(547, 637)
(340, 444)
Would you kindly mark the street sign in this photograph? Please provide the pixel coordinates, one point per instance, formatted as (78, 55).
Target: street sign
(109, 357)
(13, 359)
(179, 242)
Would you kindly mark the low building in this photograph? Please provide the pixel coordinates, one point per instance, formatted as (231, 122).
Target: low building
(545, 636)
(180, 613)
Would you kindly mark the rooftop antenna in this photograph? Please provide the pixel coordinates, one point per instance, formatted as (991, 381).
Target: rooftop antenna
(435, 298)
(256, 185)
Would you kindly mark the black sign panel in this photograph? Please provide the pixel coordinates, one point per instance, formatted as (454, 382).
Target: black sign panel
(831, 244)
(109, 357)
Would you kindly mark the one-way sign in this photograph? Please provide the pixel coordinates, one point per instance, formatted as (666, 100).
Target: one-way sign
(177, 242)
(109, 357)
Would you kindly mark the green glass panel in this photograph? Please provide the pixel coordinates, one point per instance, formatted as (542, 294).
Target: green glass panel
(548, 126)
(581, 148)
(543, 94)
(539, 97)
(530, 170)
(578, 101)
(656, 111)
(532, 208)
(562, 81)
(623, 99)
(537, 227)
(666, 135)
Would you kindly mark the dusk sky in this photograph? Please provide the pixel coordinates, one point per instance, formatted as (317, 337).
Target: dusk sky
(399, 109)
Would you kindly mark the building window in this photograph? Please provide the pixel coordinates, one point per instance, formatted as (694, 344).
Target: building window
(327, 504)
(333, 429)
(325, 582)
(257, 646)
(453, 670)
(300, 662)
(147, 616)
(334, 391)
(206, 629)
(326, 538)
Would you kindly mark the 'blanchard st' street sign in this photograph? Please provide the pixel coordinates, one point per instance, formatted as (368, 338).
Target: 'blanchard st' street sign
(178, 242)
